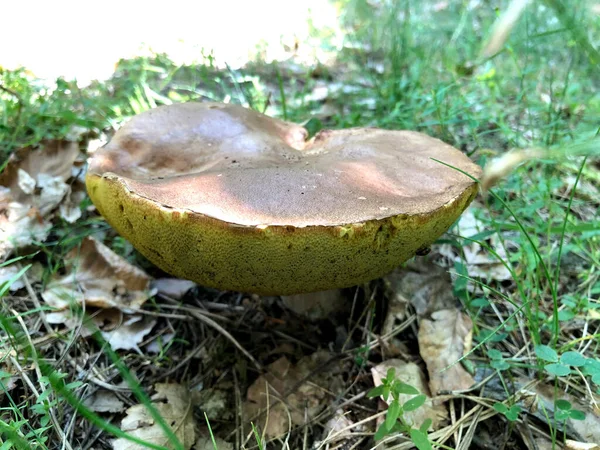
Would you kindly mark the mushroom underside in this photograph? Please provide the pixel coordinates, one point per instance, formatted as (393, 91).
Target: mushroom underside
(274, 260)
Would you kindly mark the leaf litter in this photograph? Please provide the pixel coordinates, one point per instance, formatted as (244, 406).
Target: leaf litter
(96, 277)
(422, 288)
(32, 185)
(175, 405)
(445, 332)
(411, 374)
(289, 395)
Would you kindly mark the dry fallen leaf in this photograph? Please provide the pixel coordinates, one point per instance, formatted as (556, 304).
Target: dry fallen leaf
(411, 373)
(34, 275)
(316, 305)
(443, 340)
(7, 273)
(338, 430)
(130, 333)
(270, 404)
(160, 343)
(575, 445)
(423, 284)
(69, 208)
(104, 401)
(479, 261)
(420, 283)
(98, 277)
(501, 167)
(174, 288)
(104, 320)
(174, 402)
(538, 399)
(503, 27)
(32, 186)
(206, 443)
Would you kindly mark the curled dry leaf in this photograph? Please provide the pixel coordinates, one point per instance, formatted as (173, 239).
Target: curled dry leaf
(443, 340)
(501, 167)
(503, 27)
(419, 283)
(174, 288)
(32, 186)
(411, 373)
(175, 404)
(104, 320)
(575, 445)
(69, 209)
(297, 392)
(98, 277)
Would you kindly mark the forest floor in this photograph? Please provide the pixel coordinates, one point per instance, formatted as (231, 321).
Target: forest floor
(492, 338)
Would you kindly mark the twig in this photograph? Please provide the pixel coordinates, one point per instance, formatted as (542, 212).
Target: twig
(208, 321)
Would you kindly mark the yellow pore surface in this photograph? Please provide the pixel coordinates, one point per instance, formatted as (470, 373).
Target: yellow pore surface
(276, 260)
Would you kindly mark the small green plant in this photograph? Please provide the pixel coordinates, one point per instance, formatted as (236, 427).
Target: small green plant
(559, 366)
(512, 413)
(497, 361)
(395, 420)
(564, 410)
(592, 369)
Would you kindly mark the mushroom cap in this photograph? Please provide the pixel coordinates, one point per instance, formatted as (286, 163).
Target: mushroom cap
(234, 199)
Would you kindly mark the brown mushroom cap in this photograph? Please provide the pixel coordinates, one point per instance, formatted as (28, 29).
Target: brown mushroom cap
(234, 199)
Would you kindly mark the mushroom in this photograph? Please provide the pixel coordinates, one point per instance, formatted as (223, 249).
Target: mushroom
(236, 200)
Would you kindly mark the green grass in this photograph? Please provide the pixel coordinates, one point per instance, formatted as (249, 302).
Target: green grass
(405, 66)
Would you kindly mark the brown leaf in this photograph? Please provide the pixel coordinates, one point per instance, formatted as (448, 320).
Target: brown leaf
(32, 186)
(424, 284)
(206, 443)
(284, 393)
(104, 320)
(316, 305)
(443, 340)
(53, 158)
(104, 401)
(131, 333)
(175, 404)
(99, 277)
(411, 373)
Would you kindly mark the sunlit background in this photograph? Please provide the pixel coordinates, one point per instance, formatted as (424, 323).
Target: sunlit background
(84, 40)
